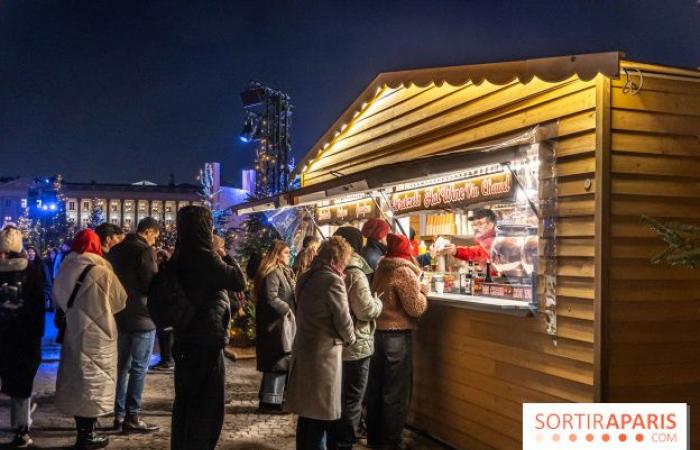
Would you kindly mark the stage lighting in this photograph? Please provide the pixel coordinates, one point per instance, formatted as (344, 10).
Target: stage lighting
(254, 95)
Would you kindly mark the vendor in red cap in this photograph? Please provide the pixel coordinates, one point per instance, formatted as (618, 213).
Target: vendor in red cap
(484, 225)
(375, 230)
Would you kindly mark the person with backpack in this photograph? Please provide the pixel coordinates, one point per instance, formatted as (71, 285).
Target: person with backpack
(89, 293)
(201, 333)
(134, 262)
(21, 328)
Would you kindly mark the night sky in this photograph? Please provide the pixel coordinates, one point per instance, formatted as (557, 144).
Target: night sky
(120, 91)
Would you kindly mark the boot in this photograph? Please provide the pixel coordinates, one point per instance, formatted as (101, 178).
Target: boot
(22, 439)
(87, 438)
(133, 423)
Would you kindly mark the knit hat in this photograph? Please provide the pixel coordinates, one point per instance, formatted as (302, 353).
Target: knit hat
(398, 246)
(352, 235)
(375, 229)
(10, 240)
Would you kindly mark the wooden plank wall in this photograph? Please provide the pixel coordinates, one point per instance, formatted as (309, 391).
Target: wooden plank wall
(653, 312)
(474, 370)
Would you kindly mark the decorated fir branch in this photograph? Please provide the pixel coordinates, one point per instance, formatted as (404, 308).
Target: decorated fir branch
(683, 242)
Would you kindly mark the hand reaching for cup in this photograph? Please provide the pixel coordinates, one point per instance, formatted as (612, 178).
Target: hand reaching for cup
(449, 250)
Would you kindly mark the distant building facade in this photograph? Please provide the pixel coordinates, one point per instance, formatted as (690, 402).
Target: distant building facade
(126, 204)
(13, 199)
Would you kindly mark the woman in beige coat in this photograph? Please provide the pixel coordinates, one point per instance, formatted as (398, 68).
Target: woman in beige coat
(323, 326)
(85, 386)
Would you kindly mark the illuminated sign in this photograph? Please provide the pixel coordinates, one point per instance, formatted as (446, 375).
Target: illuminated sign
(456, 194)
(347, 212)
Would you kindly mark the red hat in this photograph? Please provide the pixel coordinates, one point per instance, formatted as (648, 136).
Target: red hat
(375, 229)
(398, 246)
(87, 241)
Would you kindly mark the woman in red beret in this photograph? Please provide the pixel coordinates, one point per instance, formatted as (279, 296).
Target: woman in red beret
(396, 282)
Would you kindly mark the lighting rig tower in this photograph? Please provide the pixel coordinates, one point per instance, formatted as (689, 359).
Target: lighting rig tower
(267, 123)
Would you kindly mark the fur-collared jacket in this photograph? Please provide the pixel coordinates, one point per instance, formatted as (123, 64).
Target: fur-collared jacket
(396, 283)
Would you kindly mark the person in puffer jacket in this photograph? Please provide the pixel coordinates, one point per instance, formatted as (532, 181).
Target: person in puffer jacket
(85, 386)
(364, 308)
(389, 388)
(21, 328)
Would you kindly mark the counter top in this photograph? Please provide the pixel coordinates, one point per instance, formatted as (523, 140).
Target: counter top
(478, 303)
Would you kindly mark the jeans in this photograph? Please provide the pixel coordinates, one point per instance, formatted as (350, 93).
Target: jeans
(272, 388)
(20, 412)
(313, 434)
(198, 411)
(355, 374)
(134, 356)
(389, 387)
(165, 345)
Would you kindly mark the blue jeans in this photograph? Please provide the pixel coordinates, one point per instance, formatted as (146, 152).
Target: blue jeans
(134, 356)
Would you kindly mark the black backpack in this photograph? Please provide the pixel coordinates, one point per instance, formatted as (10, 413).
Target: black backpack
(168, 304)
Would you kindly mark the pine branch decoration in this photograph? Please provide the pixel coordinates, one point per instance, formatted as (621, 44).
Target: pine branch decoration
(683, 242)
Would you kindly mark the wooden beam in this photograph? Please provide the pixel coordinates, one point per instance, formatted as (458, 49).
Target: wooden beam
(602, 233)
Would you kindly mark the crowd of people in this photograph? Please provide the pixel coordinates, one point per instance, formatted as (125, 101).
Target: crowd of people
(334, 335)
(333, 330)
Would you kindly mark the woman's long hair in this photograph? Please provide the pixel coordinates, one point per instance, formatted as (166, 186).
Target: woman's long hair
(271, 261)
(307, 254)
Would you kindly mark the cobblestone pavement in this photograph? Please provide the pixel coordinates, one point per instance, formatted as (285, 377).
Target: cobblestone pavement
(243, 427)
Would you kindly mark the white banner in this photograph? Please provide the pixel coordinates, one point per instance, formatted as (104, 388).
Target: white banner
(600, 426)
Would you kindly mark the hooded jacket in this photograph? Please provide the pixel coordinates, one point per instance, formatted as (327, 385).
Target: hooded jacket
(87, 373)
(364, 308)
(396, 281)
(21, 329)
(135, 264)
(205, 278)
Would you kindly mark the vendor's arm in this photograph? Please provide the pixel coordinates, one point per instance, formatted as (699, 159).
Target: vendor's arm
(472, 253)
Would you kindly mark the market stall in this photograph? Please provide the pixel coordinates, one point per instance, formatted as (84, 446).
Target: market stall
(565, 154)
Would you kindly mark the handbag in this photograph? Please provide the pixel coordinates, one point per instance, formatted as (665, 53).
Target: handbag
(289, 330)
(60, 319)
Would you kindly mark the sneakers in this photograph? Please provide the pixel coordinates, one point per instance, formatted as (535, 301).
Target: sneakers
(133, 423)
(22, 439)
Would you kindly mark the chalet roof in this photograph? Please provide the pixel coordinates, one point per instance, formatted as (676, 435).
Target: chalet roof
(553, 69)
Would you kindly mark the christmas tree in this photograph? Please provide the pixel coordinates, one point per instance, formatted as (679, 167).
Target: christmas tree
(683, 242)
(97, 217)
(57, 228)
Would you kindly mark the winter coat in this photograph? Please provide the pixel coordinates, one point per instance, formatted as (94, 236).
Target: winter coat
(274, 300)
(372, 252)
(323, 326)
(396, 282)
(205, 279)
(364, 307)
(87, 373)
(21, 329)
(134, 262)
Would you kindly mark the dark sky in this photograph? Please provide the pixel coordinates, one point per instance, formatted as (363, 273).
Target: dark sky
(123, 91)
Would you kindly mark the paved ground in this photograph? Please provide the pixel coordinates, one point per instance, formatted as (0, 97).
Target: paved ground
(243, 427)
